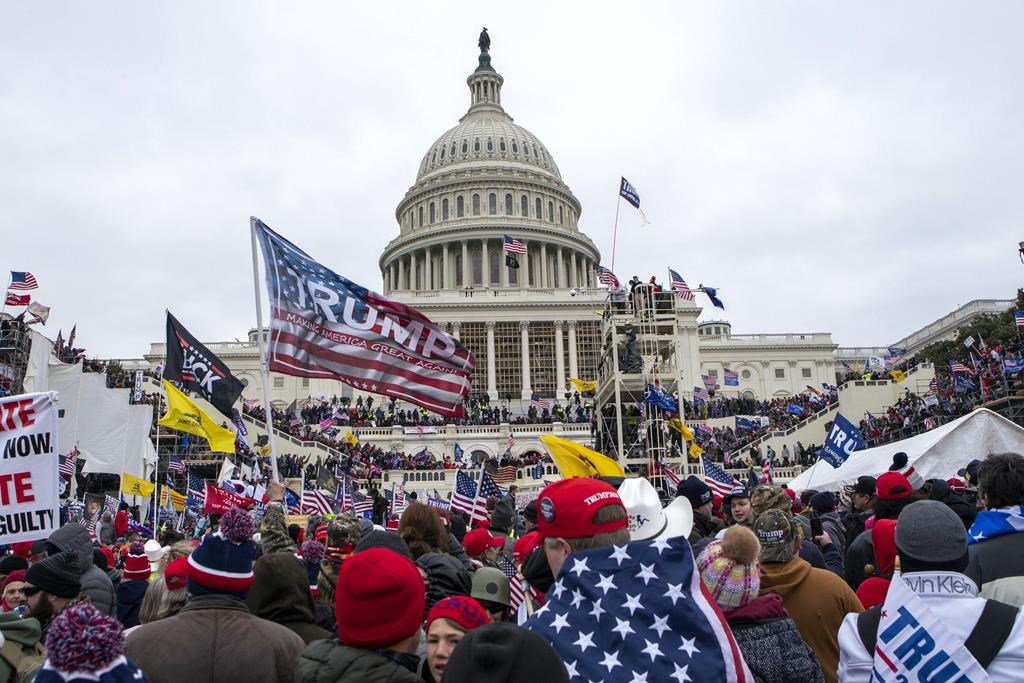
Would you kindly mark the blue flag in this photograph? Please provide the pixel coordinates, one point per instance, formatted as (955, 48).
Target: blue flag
(637, 612)
(629, 193)
(794, 409)
(458, 452)
(712, 293)
(743, 424)
(962, 384)
(1013, 365)
(656, 398)
(842, 441)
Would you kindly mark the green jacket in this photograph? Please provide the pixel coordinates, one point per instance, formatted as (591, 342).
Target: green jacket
(22, 652)
(274, 532)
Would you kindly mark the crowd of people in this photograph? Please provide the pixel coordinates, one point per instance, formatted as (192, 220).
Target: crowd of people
(792, 587)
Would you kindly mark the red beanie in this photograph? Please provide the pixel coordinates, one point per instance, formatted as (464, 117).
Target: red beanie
(176, 573)
(873, 591)
(16, 575)
(136, 568)
(379, 600)
(23, 549)
(883, 538)
(463, 610)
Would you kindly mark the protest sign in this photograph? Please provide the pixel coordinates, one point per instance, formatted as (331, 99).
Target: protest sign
(28, 467)
(219, 501)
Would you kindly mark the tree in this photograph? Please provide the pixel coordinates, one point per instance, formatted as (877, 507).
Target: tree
(993, 329)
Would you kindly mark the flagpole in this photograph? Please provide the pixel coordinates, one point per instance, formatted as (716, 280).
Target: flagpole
(156, 470)
(615, 232)
(265, 373)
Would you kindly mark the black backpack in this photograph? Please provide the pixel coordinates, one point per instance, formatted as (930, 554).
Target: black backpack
(984, 642)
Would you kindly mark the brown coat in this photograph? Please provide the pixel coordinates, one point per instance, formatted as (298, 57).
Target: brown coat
(214, 639)
(817, 600)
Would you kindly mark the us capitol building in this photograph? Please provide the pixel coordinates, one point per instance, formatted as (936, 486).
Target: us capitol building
(531, 327)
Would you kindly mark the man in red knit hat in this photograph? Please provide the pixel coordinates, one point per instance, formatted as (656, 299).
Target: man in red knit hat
(379, 606)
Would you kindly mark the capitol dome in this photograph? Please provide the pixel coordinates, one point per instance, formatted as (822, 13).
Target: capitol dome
(480, 181)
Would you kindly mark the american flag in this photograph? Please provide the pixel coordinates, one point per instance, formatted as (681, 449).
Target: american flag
(720, 481)
(954, 366)
(313, 500)
(607, 277)
(701, 392)
(22, 280)
(196, 491)
(466, 498)
(669, 474)
(361, 503)
(348, 333)
(67, 463)
(710, 383)
(504, 476)
(1018, 317)
(514, 246)
(541, 403)
(731, 378)
(934, 384)
(664, 623)
(400, 502)
(767, 473)
(515, 583)
(679, 286)
(175, 464)
(293, 501)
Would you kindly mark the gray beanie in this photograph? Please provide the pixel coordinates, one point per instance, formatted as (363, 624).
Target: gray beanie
(379, 538)
(930, 532)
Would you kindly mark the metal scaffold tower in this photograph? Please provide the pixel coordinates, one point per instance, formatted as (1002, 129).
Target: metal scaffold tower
(642, 350)
(15, 346)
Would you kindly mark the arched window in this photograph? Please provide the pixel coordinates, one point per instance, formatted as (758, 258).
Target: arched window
(476, 205)
(433, 157)
(452, 153)
(492, 204)
(476, 145)
(508, 205)
(460, 206)
(421, 216)
(524, 207)
(515, 147)
(526, 149)
(501, 144)
(561, 216)
(465, 146)
(442, 153)
(433, 216)
(536, 209)
(444, 209)
(490, 145)
(551, 212)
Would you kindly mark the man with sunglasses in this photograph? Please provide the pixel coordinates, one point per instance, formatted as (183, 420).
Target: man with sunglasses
(51, 585)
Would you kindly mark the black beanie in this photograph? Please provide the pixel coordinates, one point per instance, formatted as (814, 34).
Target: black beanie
(530, 512)
(12, 563)
(384, 539)
(57, 575)
(504, 652)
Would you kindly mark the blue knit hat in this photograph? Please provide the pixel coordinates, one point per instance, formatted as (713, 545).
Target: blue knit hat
(223, 561)
(84, 645)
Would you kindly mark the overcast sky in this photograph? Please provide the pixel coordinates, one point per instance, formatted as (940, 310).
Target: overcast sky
(845, 167)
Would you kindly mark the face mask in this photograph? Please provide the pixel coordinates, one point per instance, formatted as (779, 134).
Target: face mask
(537, 571)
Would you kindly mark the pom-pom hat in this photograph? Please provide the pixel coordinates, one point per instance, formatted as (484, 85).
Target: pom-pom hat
(729, 568)
(566, 508)
(82, 644)
(901, 464)
(223, 561)
(379, 600)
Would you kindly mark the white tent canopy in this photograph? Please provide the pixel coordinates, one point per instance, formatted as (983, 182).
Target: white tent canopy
(937, 454)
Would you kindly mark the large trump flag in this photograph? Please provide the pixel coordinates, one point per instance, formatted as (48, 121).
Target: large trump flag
(324, 325)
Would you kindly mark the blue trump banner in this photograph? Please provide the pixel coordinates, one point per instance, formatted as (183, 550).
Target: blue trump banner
(842, 441)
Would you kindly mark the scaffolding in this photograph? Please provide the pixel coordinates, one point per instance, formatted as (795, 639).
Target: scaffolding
(15, 346)
(642, 352)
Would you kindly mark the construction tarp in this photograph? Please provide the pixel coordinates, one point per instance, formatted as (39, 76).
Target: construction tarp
(936, 454)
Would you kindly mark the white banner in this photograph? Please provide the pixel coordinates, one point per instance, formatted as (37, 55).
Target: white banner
(876, 363)
(28, 467)
(421, 429)
(137, 398)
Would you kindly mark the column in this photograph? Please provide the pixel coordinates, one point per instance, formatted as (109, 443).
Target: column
(574, 280)
(503, 269)
(446, 273)
(465, 263)
(544, 265)
(401, 272)
(428, 277)
(524, 272)
(559, 360)
(457, 329)
(492, 380)
(414, 270)
(388, 278)
(764, 379)
(562, 280)
(485, 263)
(524, 337)
(574, 370)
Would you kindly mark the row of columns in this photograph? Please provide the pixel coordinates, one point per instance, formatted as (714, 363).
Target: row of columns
(434, 267)
(526, 387)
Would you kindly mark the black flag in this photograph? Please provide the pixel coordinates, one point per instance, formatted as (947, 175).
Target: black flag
(191, 365)
(511, 261)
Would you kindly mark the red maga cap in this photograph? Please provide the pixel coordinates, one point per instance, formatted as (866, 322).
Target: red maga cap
(566, 508)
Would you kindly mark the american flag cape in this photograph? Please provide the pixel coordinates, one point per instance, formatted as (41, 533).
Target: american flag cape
(638, 613)
(324, 325)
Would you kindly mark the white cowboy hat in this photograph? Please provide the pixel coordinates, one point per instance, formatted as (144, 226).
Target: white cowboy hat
(647, 519)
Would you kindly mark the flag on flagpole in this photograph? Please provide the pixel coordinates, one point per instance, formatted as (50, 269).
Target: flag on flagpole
(24, 280)
(731, 378)
(39, 312)
(133, 486)
(669, 474)
(67, 463)
(196, 491)
(175, 464)
(541, 403)
(956, 366)
(18, 299)
(712, 294)
(629, 193)
(576, 460)
(1018, 317)
(514, 246)
(679, 286)
(767, 472)
(583, 386)
(324, 325)
(313, 501)
(606, 277)
(185, 416)
(197, 369)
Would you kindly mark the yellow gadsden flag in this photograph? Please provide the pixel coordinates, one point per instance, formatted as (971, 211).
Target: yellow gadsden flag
(583, 386)
(574, 460)
(680, 426)
(898, 375)
(185, 416)
(351, 439)
(134, 486)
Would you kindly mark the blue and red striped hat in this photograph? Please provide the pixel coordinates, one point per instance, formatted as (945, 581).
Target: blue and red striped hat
(223, 561)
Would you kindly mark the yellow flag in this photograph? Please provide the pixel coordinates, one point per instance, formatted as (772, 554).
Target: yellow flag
(680, 426)
(898, 375)
(185, 416)
(351, 439)
(695, 451)
(574, 460)
(583, 386)
(134, 486)
(177, 499)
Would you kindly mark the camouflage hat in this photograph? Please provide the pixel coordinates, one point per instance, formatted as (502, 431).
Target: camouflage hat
(343, 530)
(776, 533)
(767, 498)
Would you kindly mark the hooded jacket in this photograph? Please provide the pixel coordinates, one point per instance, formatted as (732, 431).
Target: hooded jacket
(446, 576)
(771, 644)
(281, 594)
(958, 504)
(22, 645)
(997, 566)
(129, 599)
(817, 600)
(95, 582)
(329, 661)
